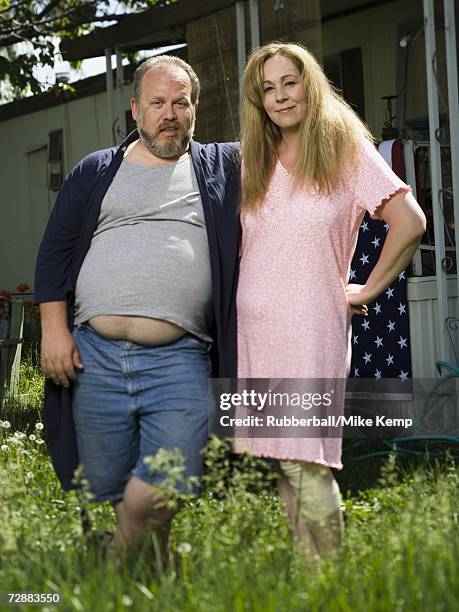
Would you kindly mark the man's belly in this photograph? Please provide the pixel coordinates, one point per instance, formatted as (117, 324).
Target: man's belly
(141, 330)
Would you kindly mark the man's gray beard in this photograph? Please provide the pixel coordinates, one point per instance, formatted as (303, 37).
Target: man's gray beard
(166, 150)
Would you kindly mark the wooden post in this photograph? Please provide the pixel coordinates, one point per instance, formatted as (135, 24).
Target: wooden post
(10, 352)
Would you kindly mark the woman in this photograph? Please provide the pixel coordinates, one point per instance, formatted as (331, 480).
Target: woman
(310, 171)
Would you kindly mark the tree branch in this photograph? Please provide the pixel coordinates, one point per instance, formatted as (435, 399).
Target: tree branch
(51, 25)
(14, 6)
(38, 22)
(48, 8)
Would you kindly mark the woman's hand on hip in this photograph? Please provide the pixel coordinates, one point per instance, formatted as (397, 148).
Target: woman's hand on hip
(356, 299)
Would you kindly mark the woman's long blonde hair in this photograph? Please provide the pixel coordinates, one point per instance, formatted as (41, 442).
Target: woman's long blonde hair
(328, 134)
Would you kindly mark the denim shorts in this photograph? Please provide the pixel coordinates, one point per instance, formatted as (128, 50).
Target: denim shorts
(130, 401)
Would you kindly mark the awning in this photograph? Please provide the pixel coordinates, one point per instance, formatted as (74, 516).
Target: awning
(158, 26)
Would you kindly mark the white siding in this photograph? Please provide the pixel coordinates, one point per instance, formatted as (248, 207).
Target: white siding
(375, 31)
(25, 200)
(424, 330)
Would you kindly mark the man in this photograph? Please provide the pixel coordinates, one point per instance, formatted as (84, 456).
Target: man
(139, 258)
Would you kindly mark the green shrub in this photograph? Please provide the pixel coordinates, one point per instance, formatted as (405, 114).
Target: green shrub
(232, 546)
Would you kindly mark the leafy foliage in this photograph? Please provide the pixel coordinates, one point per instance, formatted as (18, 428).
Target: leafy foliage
(29, 30)
(232, 547)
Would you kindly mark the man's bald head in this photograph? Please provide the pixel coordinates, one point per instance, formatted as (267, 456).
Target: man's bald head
(163, 62)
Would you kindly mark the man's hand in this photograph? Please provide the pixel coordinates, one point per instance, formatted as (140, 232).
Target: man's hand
(356, 299)
(59, 355)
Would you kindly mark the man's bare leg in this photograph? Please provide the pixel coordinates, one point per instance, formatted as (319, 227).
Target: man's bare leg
(143, 508)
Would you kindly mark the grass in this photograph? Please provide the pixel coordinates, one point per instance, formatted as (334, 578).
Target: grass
(232, 547)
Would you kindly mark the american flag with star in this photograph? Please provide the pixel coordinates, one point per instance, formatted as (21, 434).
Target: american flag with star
(381, 340)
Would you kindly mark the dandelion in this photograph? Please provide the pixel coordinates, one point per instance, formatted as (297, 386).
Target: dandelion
(77, 589)
(38, 441)
(126, 601)
(32, 437)
(184, 548)
(39, 426)
(5, 424)
(4, 447)
(29, 475)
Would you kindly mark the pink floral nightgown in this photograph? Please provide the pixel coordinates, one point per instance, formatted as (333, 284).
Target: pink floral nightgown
(293, 315)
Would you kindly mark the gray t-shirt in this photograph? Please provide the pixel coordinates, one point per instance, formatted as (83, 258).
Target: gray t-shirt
(149, 254)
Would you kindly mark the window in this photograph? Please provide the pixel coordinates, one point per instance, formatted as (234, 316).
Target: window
(345, 71)
(55, 159)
